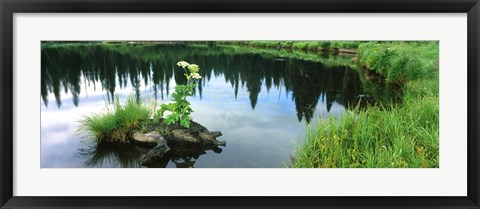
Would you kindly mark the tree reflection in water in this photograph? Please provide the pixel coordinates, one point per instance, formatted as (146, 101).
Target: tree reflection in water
(63, 69)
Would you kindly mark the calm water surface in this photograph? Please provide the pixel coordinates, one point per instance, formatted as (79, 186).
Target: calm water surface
(261, 101)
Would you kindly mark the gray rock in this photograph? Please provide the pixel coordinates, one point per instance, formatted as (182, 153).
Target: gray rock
(195, 139)
(151, 138)
(183, 136)
(210, 137)
(156, 153)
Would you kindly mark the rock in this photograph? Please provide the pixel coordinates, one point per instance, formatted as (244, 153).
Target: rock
(221, 143)
(184, 136)
(184, 142)
(196, 135)
(151, 138)
(210, 137)
(156, 153)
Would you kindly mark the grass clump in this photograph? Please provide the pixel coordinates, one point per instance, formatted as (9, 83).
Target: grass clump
(403, 135)
(117, 124)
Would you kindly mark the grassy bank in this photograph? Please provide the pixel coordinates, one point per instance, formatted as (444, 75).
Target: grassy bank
(402, 135)
(314, 46)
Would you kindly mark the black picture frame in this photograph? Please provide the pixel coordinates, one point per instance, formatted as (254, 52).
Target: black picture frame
(9, 7)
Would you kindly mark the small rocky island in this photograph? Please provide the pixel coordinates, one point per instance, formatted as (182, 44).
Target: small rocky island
(172, 136)
(175, 139)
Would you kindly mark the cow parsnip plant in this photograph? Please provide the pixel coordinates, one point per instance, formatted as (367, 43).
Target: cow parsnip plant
(180, 108)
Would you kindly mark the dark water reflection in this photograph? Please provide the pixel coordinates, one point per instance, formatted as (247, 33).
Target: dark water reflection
(260, 101)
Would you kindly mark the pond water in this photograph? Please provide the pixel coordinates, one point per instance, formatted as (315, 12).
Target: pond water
(261, 100)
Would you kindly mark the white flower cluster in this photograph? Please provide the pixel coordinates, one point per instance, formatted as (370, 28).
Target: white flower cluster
(183, 64)
(193, 68)
(196, 76)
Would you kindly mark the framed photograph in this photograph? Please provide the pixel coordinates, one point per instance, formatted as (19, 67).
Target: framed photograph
(239, 104)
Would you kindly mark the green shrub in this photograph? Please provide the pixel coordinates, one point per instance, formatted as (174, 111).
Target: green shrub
(325, 44)
(300, 45)
(400, 61)
(313, 45)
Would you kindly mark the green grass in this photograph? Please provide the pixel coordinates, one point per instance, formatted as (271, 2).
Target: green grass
(400, 137)
(400, 61)
(117, 123)
(403, 135)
